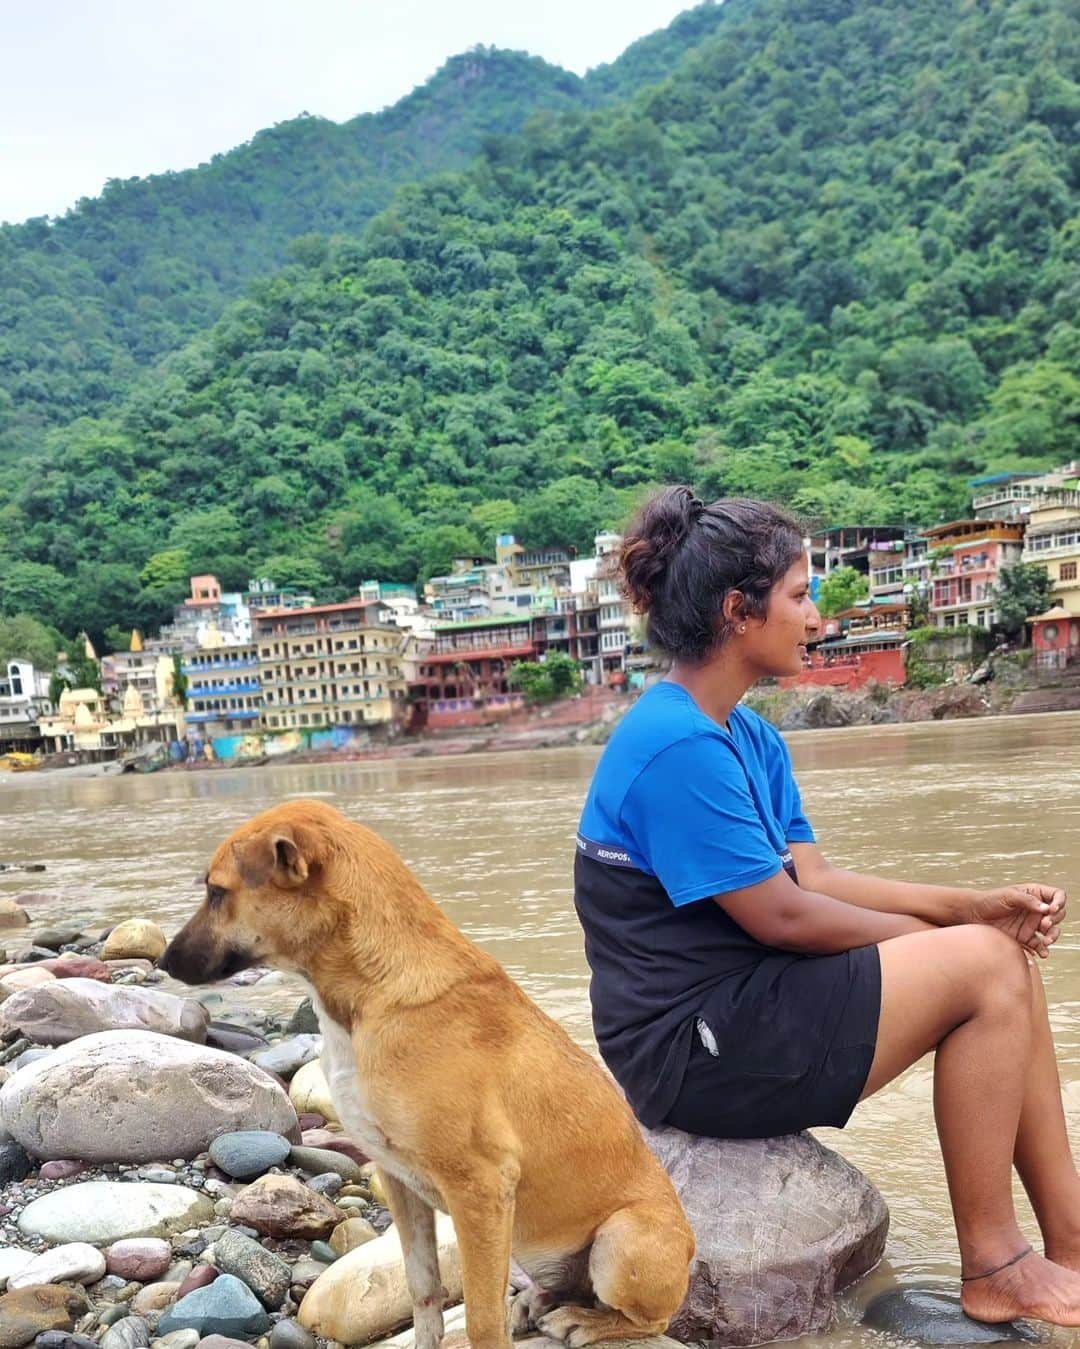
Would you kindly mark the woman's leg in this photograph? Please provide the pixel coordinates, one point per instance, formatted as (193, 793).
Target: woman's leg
(967, 992)
(1043, 1156)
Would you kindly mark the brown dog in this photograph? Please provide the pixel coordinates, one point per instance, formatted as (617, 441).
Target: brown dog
(470, 1099)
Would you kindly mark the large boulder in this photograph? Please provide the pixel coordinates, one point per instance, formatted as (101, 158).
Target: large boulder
(132, 1096)
(782, 1225)
(363, 1295)
(62, 1010)
(102, 1212)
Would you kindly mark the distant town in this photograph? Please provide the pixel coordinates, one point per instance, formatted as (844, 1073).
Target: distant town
(239, 676)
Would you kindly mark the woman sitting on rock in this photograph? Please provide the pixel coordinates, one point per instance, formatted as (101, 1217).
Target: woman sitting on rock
(742, 987)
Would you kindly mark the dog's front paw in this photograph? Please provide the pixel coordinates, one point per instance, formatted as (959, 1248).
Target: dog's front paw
(569, 1324)
(526, 1308)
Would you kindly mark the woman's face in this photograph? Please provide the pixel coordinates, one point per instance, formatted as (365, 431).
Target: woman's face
(776, 644)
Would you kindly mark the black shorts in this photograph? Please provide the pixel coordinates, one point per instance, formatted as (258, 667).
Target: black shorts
(784, 1078)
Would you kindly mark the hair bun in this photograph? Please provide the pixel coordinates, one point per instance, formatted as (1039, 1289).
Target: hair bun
(659, 528)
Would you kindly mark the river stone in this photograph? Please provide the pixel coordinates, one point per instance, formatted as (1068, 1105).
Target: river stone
(266, 1274)
(309, 1090)
(65, 1009)
(13, 1259)
(12, 915)
(236, 1039)
(304, 1020)
(74, 1262)
(290, 1334)
(289, 1056)
(77, 967)
(55, 937)
(132, 1096)
(63, 1339)
(104, 1211)
(363, 1295)
(937, 1318)
(318, 1161)
(28, 1311)
(177, 1339)
(143, 1259)
(137, 938)
(27, 977)
(332, 1142)
(248, 1152)
(152, 1299)
(130, 1333)
(282, 1206)
(61, 1170)
(224, 1307)
(14, 1163)
(351, 1234)
(782, 1224)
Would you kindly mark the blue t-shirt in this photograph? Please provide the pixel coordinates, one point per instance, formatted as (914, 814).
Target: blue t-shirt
(704, 809)
(680, 810)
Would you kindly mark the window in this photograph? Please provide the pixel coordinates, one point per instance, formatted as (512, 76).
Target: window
(1068, 571)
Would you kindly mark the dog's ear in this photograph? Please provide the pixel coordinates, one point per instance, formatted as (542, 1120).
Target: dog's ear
(274, 855)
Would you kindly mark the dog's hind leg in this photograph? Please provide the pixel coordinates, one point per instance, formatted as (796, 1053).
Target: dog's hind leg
(482, 1207)
(639, 1266)
(415, 1223)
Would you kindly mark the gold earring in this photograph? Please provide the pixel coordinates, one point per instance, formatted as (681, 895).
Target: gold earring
(742, 627)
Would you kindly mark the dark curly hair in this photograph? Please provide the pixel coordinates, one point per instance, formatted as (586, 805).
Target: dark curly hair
(681, 558)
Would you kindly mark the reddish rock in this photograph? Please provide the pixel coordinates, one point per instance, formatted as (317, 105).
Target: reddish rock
(78, 967)
(310, 1121)
(331, 1142)
(61, 1170)
(199, 1277)
(282, 1206)
(143, 1259)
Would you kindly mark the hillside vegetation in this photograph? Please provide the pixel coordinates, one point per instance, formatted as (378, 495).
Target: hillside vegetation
(833, 259)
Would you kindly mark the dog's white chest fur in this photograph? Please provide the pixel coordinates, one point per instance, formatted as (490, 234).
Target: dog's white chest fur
(347, 1091)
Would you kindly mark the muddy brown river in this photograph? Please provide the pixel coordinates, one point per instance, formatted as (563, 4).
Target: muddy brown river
(974, 803)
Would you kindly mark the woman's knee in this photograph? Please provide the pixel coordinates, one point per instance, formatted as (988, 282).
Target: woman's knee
(995, 964)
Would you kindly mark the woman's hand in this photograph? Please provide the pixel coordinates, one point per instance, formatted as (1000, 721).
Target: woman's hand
(1031, 913)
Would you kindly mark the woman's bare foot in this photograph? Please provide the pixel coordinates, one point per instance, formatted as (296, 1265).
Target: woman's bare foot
(1034, 1288)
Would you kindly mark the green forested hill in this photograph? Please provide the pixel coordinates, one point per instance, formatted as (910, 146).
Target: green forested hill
(89, 299)
(835, 260)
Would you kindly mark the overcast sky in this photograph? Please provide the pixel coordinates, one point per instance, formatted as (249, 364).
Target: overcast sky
(98, 89)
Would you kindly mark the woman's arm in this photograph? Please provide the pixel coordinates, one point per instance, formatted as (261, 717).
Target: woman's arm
(1032, 913)
(940, 905)
(790, 917)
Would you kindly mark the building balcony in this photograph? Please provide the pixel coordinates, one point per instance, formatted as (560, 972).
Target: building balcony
(214, 667)
(223, 690)
(225, 714)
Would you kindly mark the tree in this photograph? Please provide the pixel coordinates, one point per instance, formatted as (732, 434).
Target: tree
(557, 676)
(24, 638)
(1023, 590)
(841, 589)
(34, 588)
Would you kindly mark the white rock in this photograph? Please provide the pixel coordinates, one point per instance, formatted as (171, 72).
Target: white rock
(64, 1009)
(309, 1092)
(132, 1096)
(13, 1260)
(76, 1262)
(363, 1295)
(104, 1211)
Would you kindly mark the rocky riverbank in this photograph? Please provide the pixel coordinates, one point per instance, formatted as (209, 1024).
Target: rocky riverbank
(173, 1175)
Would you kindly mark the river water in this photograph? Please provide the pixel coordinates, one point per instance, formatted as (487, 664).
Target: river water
(975, 803)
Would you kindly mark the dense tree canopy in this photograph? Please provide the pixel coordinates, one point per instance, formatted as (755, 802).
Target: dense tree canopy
(833, 260)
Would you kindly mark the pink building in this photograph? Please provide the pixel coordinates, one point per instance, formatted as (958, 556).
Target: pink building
(965, 559)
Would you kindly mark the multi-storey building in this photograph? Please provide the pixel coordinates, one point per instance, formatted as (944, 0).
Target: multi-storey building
(966, 557)
(1053, 540)
(464, 592)
(1009, 496)
(849, 546)
(886, 571)
(464, 675)
(24, 699)
(329, 665)
(147, 669)
(224, 692)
